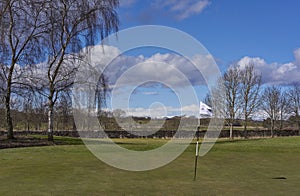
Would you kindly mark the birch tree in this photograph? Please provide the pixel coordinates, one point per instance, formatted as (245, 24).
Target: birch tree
(294, 101)
(284, 106)
(232, 79)
(227, 91)
(250, 88)
(73, 25)
(22, 25)
(271, 104)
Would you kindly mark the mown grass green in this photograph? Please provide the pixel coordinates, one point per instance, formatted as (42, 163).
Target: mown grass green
(239, 167)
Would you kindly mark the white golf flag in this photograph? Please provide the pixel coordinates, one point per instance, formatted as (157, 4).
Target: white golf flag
(205, 110)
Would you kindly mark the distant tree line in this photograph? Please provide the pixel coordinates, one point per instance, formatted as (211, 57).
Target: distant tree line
(240, 94)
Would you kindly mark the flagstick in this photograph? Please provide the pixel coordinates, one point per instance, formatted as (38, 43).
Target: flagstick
(204, 109)
(197, 151)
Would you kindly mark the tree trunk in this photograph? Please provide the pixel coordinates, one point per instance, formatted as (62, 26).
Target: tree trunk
(298, 127)
(245, 127)
(281, 121)
(231, 130)
(9, 124)
(74, 125)
(50, 120)
(272, 128)
(245, 130)
(10, 133)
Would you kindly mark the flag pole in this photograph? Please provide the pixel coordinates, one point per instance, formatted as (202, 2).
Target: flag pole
(197, 149)
(205, 110)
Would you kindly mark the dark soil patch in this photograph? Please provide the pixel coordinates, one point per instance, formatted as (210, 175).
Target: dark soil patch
(23, 141)
(30, 140)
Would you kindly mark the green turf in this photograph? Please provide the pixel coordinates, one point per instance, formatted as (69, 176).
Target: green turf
(239, 167)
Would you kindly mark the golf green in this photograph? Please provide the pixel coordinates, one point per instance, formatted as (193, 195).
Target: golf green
(238, 167)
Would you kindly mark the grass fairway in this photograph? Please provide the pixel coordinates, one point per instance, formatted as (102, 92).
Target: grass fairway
(240, 167)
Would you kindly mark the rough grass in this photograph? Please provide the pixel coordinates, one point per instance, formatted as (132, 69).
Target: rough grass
(239, 167)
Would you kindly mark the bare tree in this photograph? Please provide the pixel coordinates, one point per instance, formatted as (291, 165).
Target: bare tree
(22, 25)
(227, 92)
(250, 88)
(284, 106)
(271, 104)
(232, 78)
(294, 101)
(73, 25)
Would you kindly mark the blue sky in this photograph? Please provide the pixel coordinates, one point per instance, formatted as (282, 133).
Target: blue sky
(231, 29)
(265, 33)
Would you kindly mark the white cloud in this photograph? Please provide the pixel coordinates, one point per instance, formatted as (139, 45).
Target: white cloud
(190, 110)
(258, 62)
(170, 69)
(182, 9)
(285, 68)
(275, 73)
(127, 3)
(297, 56)
(157, 112)
(178, 9)
(150, 93)
(164, 111)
